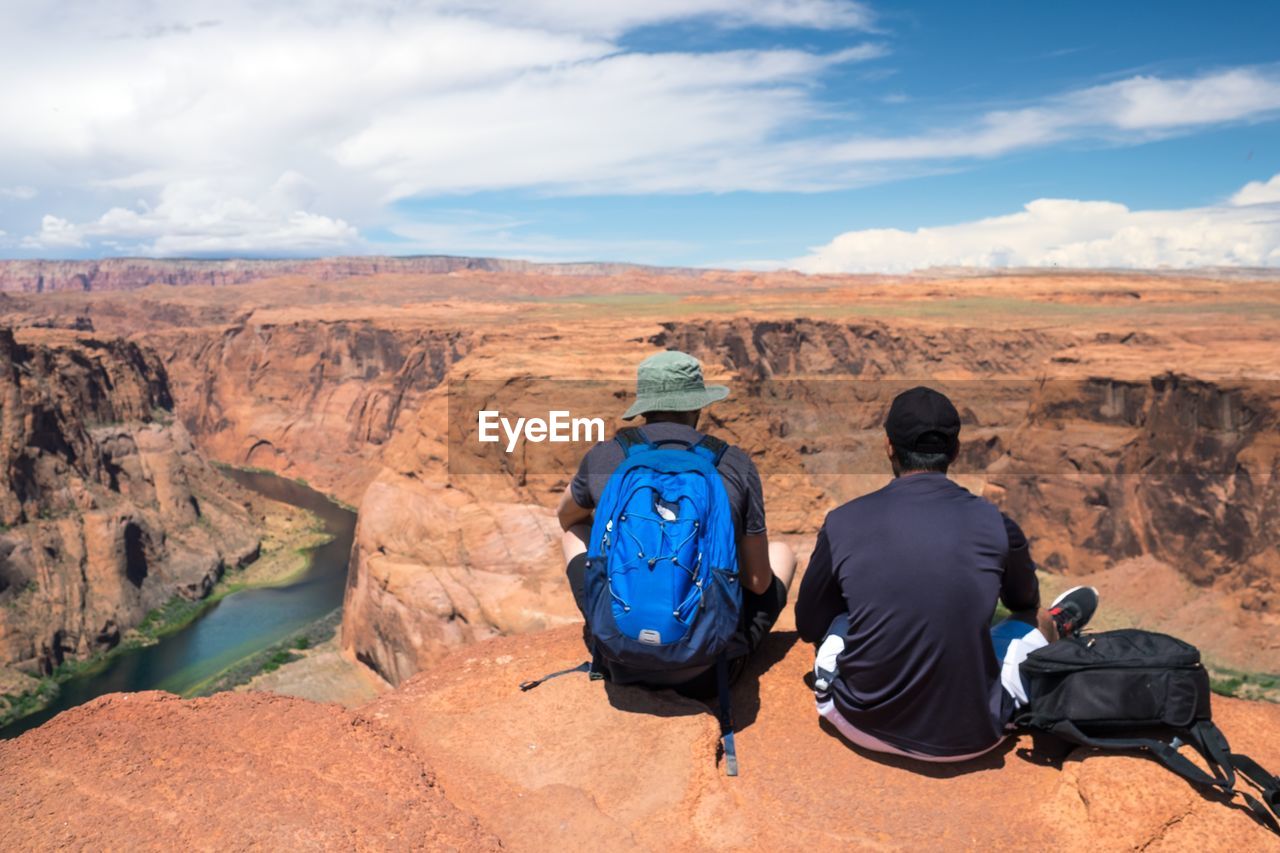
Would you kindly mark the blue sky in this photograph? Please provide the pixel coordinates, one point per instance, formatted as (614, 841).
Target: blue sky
(816, 134)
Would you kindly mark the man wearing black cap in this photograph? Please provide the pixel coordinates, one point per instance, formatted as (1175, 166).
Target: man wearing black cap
(899, 594)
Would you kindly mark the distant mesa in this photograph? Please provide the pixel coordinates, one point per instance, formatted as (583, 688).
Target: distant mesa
(45, 276)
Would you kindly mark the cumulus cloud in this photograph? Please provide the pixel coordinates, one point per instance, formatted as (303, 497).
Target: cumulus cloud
(373, 100)
(1244, 231)
(381, 100)
(1259, 192)
(196, 218)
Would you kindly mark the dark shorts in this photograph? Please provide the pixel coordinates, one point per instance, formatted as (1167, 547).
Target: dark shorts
(759, 613)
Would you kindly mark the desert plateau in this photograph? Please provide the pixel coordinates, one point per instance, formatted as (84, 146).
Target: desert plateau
(1128, 420)
(350, 354)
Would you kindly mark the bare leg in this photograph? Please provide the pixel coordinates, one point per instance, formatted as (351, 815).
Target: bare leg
(783, 562)
(574, 541)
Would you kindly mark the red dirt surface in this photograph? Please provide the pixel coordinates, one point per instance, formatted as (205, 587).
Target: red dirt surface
(460, 759)
(148, 771)
(579, 765)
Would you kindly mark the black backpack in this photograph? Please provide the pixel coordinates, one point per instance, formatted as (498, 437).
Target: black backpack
(1124, 690)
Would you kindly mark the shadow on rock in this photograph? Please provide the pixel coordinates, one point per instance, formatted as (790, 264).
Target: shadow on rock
(992, 760)
(657, 703)
(745, 697)
(746, 693)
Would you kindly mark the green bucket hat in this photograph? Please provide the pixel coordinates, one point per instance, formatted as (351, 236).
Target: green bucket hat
(672, 382)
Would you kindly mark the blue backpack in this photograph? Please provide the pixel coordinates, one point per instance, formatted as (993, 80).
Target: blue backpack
(662, 585)
(662, 594)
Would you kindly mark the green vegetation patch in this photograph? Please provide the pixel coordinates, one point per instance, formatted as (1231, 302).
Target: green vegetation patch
(174, 615)
(272, 658)
(1244, 685)
(14, 706)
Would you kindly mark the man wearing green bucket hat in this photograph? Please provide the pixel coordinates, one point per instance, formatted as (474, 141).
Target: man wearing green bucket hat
(670, 395)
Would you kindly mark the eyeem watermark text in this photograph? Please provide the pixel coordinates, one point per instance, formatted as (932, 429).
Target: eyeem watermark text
(559, 427)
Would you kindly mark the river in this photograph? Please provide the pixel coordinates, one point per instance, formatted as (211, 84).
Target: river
(239, 625)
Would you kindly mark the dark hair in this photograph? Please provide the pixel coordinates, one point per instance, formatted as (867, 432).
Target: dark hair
(676, 417)
(914, 460)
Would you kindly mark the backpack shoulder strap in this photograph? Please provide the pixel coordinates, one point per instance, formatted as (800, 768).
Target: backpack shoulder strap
(1207, 740)
(1268, 786)
(1163, 752)
(632, 440)
(726, 716)
(710, 448)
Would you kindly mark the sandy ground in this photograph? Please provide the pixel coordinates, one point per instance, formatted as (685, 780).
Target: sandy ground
(287, 533)
(322, 674)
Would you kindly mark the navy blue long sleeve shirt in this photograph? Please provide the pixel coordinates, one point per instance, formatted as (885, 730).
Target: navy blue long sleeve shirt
(918, 566)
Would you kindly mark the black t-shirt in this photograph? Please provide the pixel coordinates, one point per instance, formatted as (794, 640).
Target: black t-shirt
(741, 480)
(918, 566)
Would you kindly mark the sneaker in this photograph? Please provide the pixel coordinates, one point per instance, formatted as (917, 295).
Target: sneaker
(1072, 610)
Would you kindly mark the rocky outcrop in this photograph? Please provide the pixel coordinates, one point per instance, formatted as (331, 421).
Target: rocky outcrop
(1098, 469)
(459, 758)
(564, 761)
(147, 771)
(316, 400)
(1177, 468)
(800, 348)
(107, 509)
(435, 568)
(135, 273)
(445, 556)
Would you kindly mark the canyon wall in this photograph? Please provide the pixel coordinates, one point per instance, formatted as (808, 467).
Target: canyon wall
(111, 274)
(1097, 470)
(340, 373)
(1181, 469)
(442, 562)
(446, 554)
(310, 400)
(106, 508)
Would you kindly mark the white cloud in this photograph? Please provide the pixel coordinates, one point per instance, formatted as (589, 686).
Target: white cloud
(1063, 232)
(612, 17)
(1259, 192)
(21, 193)
(373, 100)
(623, 123)
(379, 100)
(196, 218)
(1135, 109)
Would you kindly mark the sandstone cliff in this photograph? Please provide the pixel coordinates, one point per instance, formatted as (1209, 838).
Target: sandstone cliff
(107, 509)
(342, 376)
(133, 273)
(460, 759)
(316, 400)
(1099, 469)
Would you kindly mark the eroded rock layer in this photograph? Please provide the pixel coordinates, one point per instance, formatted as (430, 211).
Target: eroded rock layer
(1099, 469)
(315, 400)
(40, 276)
(108, 510)
(1120, 418)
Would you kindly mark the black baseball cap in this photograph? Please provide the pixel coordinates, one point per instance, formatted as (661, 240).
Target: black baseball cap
(924, 421)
